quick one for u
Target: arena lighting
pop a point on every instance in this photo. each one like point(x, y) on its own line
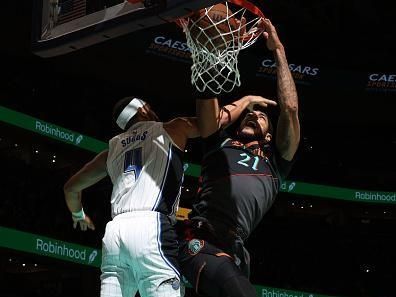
point(366, 268)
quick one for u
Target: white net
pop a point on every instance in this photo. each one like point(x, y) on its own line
point(215, 44)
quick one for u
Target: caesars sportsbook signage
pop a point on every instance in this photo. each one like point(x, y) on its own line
point(381, 81)
point(170, 48)
point(302, 74)
point(293, 187)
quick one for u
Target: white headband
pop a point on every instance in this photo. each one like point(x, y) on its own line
point(129, 111)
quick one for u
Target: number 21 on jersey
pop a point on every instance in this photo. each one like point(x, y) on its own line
point(246, 160)
point(133, 161)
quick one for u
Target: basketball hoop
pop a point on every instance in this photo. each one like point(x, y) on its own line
point(215, 36)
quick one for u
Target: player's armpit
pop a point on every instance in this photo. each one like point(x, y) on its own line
point(180, 129)
point(190, 125)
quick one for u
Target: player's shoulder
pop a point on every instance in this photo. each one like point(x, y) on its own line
point(180, 122)
point(182, 125)
point(145, 125)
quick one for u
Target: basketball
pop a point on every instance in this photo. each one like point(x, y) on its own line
point(212, 28)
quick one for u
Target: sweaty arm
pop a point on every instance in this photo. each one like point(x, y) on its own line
point(181, 129)
point(211, 117)
point(288, 129)
point(91, 173)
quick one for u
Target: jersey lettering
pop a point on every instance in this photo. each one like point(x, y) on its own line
point(246, 159)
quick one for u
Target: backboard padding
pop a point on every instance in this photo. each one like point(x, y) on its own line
point(52, 39)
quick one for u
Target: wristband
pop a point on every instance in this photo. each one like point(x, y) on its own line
point(79, 215)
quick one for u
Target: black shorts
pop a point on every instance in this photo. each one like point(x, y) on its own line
point(212, 272)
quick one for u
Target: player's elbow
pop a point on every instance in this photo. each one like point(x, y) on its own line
point(192, 128)
point(291, 107)
point(68, 187)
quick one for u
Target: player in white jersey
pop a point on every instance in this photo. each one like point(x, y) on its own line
point(144, 163)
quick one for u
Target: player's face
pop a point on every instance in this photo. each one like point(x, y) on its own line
point(255, 124)
point(149, 113)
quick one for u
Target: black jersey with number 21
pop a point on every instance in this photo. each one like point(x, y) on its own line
point(238, 187)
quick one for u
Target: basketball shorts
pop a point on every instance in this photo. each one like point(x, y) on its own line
point(139, 253)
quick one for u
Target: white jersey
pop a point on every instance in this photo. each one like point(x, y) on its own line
point(146, 170)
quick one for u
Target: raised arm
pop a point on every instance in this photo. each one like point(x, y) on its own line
point(182, 128)
point(211, 117)
point(91, 173)
point(288, 128)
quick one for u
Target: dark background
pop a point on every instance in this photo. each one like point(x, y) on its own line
point(304, 243)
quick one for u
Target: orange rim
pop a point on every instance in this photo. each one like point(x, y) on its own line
point(249, 6)
point(253, 9)
point(243, 3)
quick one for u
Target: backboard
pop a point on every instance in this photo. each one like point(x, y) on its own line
point(63, 26)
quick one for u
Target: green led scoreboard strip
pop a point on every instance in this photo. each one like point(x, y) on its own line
point(91, 144)
point(71, 252)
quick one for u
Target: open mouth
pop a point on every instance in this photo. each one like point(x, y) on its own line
point(251, 124)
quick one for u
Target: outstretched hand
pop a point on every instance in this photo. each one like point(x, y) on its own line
point(271, 35)
point(85, 224)
point(258, 100)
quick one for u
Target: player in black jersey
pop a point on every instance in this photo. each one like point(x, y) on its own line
point(241, 177)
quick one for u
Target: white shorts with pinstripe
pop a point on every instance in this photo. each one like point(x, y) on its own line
point(139, 253)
